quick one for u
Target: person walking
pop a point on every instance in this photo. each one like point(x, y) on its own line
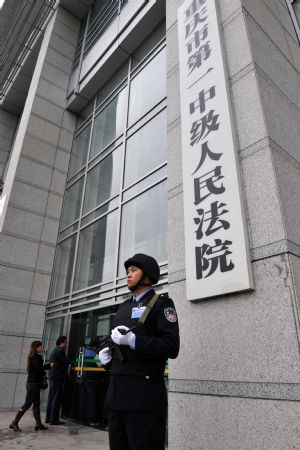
point(147, 333)
point(57, 376)
point(36, 373)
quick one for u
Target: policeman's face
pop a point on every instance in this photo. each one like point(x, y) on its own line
point(134, 274)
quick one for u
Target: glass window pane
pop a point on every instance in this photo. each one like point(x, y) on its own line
point(148, 87)
point(144, 226)
point(96, 252)
point(109, 123)
point(63, 266)
point(98, 212)
point(72, 204)
point(103, 181)
point(144, 183)
point(146, 149)
point(79, 151)
point(53, 329)
point(103, 325)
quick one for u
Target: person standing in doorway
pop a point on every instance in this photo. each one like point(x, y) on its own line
point(57, 377)
point(147, 333)
point(36, 373)
point(90, 380)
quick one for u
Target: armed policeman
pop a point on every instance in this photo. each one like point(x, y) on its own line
point(146, 330)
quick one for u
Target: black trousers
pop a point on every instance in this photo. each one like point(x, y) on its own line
point(32, 397)
point(137, 430)
point(55, 398)
point(88, 402)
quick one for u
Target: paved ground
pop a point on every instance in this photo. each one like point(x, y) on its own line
point(63, 437)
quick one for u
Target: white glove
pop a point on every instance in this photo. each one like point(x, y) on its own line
point(123, 339)
point(105, 355)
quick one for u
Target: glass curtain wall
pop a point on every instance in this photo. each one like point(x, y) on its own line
point(115, 201)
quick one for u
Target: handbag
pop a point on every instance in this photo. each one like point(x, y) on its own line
point(44, 383)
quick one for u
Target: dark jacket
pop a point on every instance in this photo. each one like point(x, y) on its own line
point(137, 383)
point(36, 369)
point(61, 363)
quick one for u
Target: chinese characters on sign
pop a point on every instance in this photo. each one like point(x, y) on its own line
point(217, 259)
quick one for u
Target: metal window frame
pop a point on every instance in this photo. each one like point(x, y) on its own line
point(109, 292)
point(92, 32)
point(294, 18)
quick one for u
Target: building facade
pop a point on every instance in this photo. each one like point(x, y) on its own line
point(91, 168)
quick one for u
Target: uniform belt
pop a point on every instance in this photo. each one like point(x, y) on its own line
point(136, 375)
point(154, 377)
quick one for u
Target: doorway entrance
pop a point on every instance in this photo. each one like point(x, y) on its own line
point(85, 389)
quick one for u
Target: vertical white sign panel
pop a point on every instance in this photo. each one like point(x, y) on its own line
point(217, 260)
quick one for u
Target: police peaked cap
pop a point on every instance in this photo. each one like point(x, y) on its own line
point(147, 264)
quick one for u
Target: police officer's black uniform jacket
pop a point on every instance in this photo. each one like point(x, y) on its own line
point(137, 383)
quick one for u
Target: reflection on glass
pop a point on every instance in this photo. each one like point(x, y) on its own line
point(148, 87)
point(96, 252)
point(103, 181)
point(79, 151)
point(53, 329)
point(146, 149)
point(72, 204)
point(109, 123)
point(100, 211)
point(144, 183)
point(63, 267)
point(103, 325)
point(144, 226)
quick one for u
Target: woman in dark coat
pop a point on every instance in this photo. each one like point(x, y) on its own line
point(36, 372)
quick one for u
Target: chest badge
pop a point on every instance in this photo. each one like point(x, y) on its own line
point(137, 313)
point(170, 314)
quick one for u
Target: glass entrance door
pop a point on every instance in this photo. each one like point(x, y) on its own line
point(87, 384)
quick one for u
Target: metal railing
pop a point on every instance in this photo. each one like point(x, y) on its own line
point(97, 26)
point(29, 21)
